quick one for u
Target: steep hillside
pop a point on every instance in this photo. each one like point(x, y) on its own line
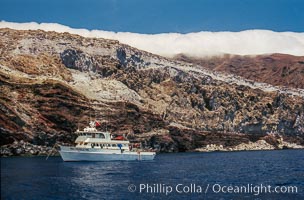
point(51, 83)
point(275, 69)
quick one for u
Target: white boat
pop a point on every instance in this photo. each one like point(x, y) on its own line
point(94, 145)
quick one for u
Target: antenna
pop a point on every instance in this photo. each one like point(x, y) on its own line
point(107, 121)
point(95, 114)
point(90, 111)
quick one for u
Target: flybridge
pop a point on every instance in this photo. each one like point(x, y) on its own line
point(92, 132)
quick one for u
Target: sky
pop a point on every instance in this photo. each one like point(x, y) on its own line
point(160, 16)
point(168, 27)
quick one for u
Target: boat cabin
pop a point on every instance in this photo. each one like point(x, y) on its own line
point(90, 137)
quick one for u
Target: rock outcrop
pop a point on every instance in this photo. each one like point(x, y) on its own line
point(251, 146)
point(276, 69)
point(52, 83)
point(21, 148)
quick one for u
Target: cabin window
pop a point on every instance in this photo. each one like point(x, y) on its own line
point(88, 134)
point(85, 143)
point(113, 145)
point(97, 144)
point(100, 135)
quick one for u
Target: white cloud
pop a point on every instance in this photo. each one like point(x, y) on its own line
point(249, 42)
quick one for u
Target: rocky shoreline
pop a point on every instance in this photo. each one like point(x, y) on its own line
point(22, 148)
point(251, 146)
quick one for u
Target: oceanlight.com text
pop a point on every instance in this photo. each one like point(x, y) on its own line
point(253, 189)
point(193, 188)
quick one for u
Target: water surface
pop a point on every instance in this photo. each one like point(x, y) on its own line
point(37, 178)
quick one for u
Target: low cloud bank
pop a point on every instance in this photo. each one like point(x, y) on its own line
point(200, 44)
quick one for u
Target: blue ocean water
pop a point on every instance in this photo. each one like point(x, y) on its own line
point(187, 175)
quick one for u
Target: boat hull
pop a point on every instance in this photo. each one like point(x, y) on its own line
point(86, 154)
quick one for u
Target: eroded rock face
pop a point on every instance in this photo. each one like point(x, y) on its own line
point(275, 69)
point(74, 59)
point(52, 83)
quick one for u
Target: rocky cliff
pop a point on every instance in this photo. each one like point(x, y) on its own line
point(51, 83)
point(275, 69)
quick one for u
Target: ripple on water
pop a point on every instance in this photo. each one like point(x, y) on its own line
point(35, 178)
